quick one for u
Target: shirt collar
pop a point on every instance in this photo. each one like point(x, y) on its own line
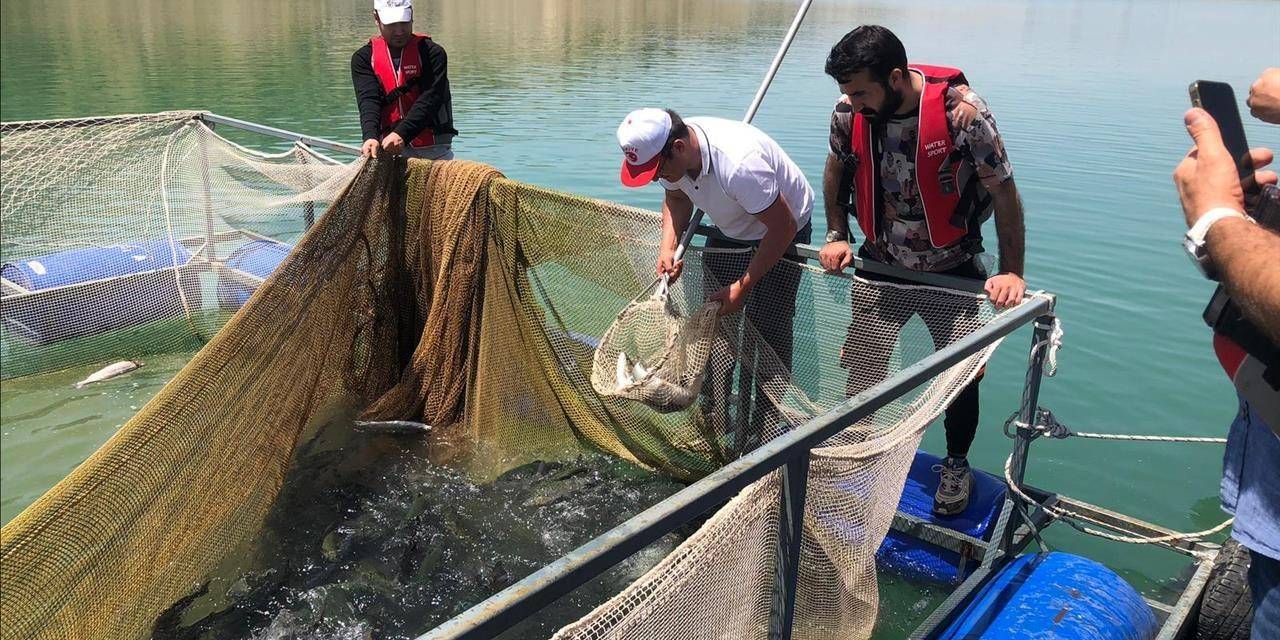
point(704, 148)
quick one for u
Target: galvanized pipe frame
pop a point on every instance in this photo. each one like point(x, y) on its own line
point(273, 132)
point(505, 609)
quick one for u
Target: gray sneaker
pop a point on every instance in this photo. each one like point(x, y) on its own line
point(955, 481)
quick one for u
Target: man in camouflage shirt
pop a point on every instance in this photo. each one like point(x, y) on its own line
point(925, 220)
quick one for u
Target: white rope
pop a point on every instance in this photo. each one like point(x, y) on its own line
point(168, 222)
point(1121, 436)
point(1048, 424)
point(1066, 514)
point(1052, 342)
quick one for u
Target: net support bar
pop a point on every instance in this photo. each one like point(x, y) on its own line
point(693, 225)
point(283, 134)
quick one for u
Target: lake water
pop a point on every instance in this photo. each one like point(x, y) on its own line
point(1088, 95)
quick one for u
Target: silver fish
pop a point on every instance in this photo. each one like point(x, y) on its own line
point(629, 372)
point(110, 371)
point(391, 426)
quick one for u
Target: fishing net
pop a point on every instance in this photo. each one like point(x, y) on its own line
point(131, 235)
point(447, 294)
point(653, 354)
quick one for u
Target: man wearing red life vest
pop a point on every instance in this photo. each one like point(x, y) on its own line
point(916, 160)
point(402, 88)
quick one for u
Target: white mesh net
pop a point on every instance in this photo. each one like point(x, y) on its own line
point(139, 234)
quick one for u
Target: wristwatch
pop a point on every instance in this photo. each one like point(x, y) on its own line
point(835, 235)
point(1193, 242)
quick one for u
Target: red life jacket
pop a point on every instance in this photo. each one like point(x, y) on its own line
point(410, 69)
point(939, 194)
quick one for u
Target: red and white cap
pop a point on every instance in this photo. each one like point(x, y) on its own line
point(393, 11)
point(642, 135)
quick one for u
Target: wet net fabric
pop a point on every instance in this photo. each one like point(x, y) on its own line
point(131, 235)
point(447, 294)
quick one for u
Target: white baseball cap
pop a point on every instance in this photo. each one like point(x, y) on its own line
point(393, 11)
point(642, 135)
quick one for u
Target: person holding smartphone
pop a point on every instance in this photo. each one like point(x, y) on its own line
point(1243, 255)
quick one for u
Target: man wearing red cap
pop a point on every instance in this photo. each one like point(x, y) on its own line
point(402, 88)
point(756, 196)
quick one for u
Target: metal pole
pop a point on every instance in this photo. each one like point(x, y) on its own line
point(274, 132)
point(687, 236)
point(795, 475)
point(795, 480)
point(777, 61)
point(309, 207)
point(1006, 524)
point(1027, 417)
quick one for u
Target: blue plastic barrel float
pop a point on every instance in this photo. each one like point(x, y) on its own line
point(909, 557)
point(1057, 596)
point(88, 291)
point(260, 259)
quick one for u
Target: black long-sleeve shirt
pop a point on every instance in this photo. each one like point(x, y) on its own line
point(434, 107)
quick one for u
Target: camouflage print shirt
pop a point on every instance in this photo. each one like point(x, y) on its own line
point(904, 238)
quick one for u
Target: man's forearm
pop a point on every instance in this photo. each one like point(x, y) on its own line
point(770, 250)
point(1011, 231)
point(675, 217)
point(837, 217)
point(1246, 255)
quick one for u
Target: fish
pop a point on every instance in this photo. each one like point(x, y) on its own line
point(629, 373)
point(109, 371)
point(391, 426)
point(624, 374)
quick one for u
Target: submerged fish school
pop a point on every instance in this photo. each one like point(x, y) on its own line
point(514, 410)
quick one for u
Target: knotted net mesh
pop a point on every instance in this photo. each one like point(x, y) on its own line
point(132, 235)
point(653, 354)
point(444, 293)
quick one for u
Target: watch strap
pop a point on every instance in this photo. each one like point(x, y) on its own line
point(1200, 229)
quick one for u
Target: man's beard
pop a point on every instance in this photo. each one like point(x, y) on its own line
point(892, 102)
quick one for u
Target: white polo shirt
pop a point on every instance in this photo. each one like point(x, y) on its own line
point(743, 172)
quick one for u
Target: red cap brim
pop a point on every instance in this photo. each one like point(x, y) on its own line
point(638, 175)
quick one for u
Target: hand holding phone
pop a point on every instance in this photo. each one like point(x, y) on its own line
point(1219, 101)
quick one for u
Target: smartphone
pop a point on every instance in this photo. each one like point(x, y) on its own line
point(1220, 101)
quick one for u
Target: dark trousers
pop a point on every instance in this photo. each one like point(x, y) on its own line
point(770, 310)
point(877, 319)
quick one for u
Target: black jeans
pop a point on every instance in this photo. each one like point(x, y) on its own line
point(770, 308)
point(868, 351)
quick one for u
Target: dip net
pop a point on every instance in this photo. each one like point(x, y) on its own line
point(446, 294)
